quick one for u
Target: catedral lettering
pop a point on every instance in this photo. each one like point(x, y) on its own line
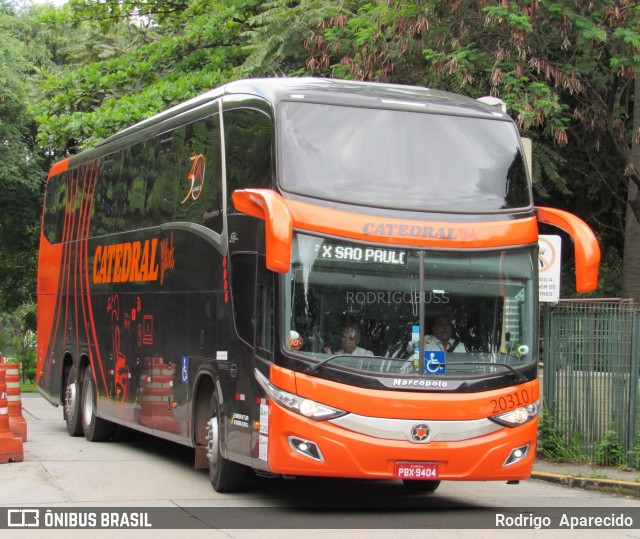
point(125, 262)
point(370, 313)
point(410, 231)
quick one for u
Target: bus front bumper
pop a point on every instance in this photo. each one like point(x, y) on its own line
point(300, 446)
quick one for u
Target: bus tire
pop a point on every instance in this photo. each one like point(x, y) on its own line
point(418, 485)
point(95, 428)
point(71, 410)
point(225, 475)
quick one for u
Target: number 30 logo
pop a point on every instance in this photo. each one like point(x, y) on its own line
point(196, 177)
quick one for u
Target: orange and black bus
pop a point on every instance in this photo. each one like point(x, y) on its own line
point(201, 274)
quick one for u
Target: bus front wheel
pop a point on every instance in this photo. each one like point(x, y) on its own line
point(225, 476)
point(71, 410)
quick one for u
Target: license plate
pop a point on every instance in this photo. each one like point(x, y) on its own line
point(417, 470)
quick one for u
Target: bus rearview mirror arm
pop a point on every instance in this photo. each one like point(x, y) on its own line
point(586, 248)
point(269, 206)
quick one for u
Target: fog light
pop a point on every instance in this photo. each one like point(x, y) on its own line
point(306, 448)
point(517, 455)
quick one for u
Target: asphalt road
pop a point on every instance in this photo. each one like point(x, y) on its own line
point(146, 475)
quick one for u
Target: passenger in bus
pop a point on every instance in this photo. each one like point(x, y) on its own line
point(350, 340)
point(443, 337)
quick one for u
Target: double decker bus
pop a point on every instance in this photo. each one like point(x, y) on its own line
point(201, 272)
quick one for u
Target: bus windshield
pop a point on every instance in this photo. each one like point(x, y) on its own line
point(357, 306)
point(407, 160)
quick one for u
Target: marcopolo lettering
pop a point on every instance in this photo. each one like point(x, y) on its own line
point(126, 262)
point(406, 382)
point(410, 231)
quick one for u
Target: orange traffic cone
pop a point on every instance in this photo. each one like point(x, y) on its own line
point(17, 423)
point(10, 446)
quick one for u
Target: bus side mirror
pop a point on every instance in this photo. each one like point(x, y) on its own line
point(587, 250)
point(269, 206)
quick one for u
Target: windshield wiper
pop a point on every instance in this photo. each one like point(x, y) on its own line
point(517, 375)
point(313, 368)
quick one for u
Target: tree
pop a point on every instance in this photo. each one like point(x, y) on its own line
point(22, 164)
point(565, 70)
point(147, 57)
point(18, 335)
point(630, 281)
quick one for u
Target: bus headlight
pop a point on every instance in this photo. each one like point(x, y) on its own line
point(517, 417)
point(300, 405)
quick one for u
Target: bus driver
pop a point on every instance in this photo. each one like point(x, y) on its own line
point(443, 336)
point(350, 342)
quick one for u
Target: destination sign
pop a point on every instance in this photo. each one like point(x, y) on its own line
point(362, 254)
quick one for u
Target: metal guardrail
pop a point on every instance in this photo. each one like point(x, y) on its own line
point(590, 351)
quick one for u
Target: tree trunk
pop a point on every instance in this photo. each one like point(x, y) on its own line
point(631, 264)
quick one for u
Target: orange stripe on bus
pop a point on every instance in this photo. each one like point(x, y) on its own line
point(267, 204)
point(58, 168)
point(415, 233)
point(404, 404)
point(49, 259)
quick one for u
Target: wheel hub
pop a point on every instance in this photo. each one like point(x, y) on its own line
point(212, 440)
point(87, 405)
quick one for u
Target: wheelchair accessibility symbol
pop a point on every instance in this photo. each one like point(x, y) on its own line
point(185, 369)
point(434, 362)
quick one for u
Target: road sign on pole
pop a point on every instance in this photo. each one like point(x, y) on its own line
point(549, 260)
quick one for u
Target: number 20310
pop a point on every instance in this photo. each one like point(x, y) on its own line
point(510, 401)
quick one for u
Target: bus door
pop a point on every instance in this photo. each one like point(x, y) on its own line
point(264, 347)
point(236, 376)
point(252, 288)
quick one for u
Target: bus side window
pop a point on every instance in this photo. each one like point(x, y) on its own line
point(75, 178)
point(130, 191)
point(247, 135)
point(243, 290)
point(164, 168)
point(199, 197)
point(265, 313)
point(54, 208)
point(104, 212)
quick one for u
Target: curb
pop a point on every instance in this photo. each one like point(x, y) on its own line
point(627, 488)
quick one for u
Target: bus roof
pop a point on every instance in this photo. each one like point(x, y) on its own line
point(332, 91)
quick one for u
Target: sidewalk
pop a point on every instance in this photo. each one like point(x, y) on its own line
point(590, 477)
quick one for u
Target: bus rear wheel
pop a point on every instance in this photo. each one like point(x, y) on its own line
point(71, 410)
point(225, 476)
point(95, 428)
point(417, 485)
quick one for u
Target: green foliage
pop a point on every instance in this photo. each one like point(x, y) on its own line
point(18, 337)
point(554, 444)
point(28, 386)
point(565, 70)
point(511, 14)
point(609, 451)
point(275, 35)
point(22, 164)
point(636, 452)
point(547, 163)
point(136, 69)
point(6, 347)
